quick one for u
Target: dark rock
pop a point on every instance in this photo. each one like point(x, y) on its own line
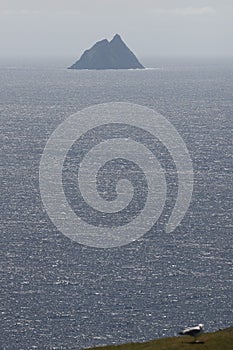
point(108, 55)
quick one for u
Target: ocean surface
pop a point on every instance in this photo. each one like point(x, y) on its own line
point(59, 294)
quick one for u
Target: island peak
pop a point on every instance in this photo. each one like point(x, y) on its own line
point(106, 54)
point(117, 37)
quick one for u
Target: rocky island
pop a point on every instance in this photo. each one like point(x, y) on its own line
point(106, 54)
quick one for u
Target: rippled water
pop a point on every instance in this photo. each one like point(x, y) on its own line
point(57, 294)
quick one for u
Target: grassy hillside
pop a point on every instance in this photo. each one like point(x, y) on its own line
point(220, 340)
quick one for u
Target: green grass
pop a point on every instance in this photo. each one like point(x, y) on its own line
point(220, 340)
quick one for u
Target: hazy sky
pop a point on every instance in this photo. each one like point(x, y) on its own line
point(149, 27)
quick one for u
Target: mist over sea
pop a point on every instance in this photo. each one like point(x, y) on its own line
point(58, 294)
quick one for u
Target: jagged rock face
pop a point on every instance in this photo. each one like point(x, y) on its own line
point(108, 55)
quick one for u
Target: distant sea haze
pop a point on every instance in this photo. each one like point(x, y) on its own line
point(59, 294)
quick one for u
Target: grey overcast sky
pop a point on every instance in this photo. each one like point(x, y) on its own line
point(149, 27)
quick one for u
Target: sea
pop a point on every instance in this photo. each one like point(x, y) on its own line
point(57, 293)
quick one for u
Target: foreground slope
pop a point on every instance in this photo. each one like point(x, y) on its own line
point(220, 340)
